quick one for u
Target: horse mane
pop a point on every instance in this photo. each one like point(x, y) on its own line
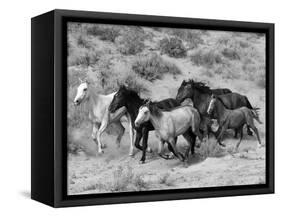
point(218, 97)
point(92, 90)
point(174, 108)
point(132, 94)
point(200, 86)
point(154, 109)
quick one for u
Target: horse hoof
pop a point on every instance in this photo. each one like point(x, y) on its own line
point(170, 156)
point(259, 146)
point(141, 161)
point(101, 152)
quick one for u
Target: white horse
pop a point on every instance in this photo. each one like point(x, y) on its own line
point(100, 116)
point(170, 124)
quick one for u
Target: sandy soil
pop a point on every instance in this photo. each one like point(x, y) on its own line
point(115, 171)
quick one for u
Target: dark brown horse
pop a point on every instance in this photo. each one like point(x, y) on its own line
point(200, 94)
point(131, 100)
point(221, 91)
point(233, 119)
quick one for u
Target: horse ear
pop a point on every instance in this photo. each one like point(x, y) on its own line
point(122, 86)
point(126, 85)
point(87, 81)
point(148, 102)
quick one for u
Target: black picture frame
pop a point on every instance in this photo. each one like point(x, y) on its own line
point(48, 147)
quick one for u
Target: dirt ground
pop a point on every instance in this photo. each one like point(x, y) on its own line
point(115, 171)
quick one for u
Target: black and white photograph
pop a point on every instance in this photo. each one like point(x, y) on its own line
point(156, 108)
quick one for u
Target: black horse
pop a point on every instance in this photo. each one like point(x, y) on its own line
point(201, 94)
point(131, 100)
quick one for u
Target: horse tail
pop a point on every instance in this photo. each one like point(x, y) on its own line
point(248, 104)
point(196, 125)
point(255, 113)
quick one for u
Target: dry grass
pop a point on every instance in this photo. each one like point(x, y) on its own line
point(154, 67)
point(104, 32)
point(165, 179)
point(206, 58)
point(131, 41)
point(173, 47)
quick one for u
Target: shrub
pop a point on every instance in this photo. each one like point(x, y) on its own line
point(207, 73)
point(133, 81)
point(82, 56)
point(131, 42)
point(206, 58)
point(83, 42)
point(104, 73)
point(165, 179)
point(73, 27)
point(192, 37)
point(154, 67)
point(110, 76)
point(139, 183)
point(104, 32)
point(261, 82)
point(230, 53)
point(122, 178)
point(211, 149)
point(173, 47)
point(74, 74)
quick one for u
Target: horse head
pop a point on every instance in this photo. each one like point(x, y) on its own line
point(119, 99)
point(143, 114)
point(185, 91)
point(82, 92)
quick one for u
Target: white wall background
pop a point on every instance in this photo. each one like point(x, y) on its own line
point(15, 106)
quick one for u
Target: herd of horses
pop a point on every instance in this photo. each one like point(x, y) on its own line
point(169, 118)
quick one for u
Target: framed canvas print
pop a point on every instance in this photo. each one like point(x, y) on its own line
point(134, 108)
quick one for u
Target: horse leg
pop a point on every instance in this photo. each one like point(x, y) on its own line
point(235, 133)
point(257, 134)
point(160, 149)
point(102, 128)
point(132, 135)
point(241, 137)
point(250, 123)
point(171, 154)
point(219, 138)
point(145, 133)
point(138, 138)
point(190, 137)
point(120, 130)
point(95, 129)
point(250, 133)
point(172, 148)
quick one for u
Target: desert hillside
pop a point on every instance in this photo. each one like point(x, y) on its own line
point(154, 61)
